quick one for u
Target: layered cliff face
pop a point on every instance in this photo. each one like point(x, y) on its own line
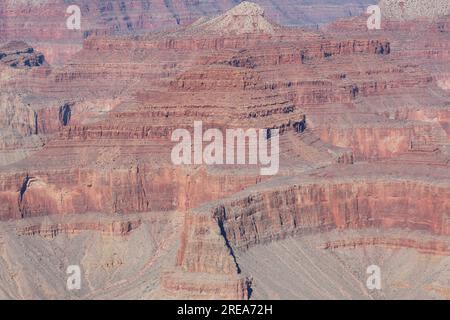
point(43, 23)
point(364, 158)
point(19, 63)
point(260, 217)
point(409, 10)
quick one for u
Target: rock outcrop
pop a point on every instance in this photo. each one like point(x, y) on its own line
point(43, 23)
point(413, 9)
point(364, 156)
point(20, 55)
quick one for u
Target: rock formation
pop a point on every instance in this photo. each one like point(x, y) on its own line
point(43, 23)
point(364, 148)
point(413, 9)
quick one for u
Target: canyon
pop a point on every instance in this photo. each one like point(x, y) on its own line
point(22, 20)
point(86, 175)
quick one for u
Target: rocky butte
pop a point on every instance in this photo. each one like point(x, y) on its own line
point(86, 176)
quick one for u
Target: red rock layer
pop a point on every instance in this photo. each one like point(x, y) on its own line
point(116, 228)
point(430, 247)
point(112, 191)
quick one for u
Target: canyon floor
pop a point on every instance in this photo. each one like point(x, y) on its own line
point(87, 178)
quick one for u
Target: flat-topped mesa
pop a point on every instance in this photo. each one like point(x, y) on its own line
point(247, 17)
